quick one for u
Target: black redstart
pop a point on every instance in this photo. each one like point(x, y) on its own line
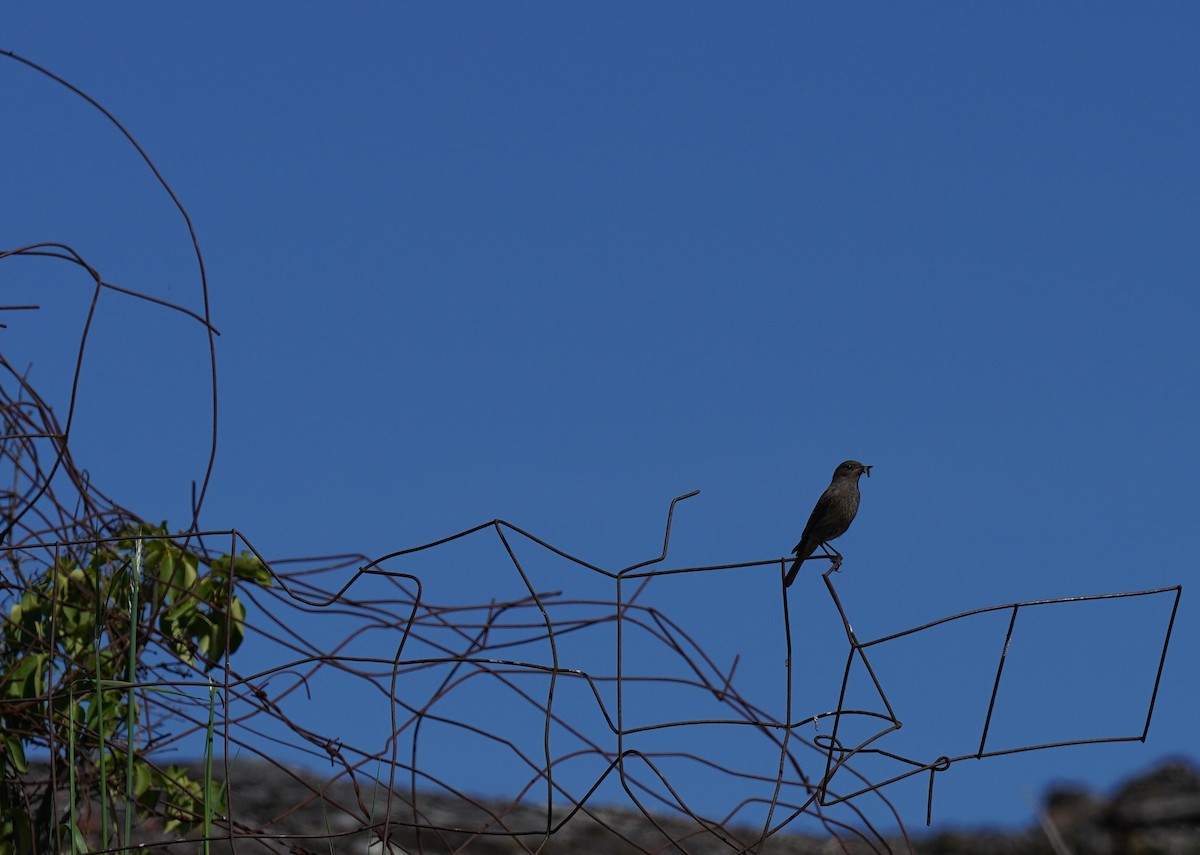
point(831, 517)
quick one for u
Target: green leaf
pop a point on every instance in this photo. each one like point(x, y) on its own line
point(16, 752)
point(249, 567)
point(17, 826)
point(169, 578)
point(25, 680)
point(141, 779)
point(191, 566)
point(72, 832)
point(149, 800)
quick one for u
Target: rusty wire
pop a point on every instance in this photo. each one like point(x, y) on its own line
point(320, 611)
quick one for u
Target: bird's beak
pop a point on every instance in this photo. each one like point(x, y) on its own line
point(867, 470)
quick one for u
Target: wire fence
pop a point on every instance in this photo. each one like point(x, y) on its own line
point(125, 643)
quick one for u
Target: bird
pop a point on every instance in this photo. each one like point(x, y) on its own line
point(831, 516)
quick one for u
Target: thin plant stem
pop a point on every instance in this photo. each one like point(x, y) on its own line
point(99, 717)
point(135, 581)
point(71, 793)
point(208, 766)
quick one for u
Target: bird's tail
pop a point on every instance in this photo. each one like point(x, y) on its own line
point(792, 571)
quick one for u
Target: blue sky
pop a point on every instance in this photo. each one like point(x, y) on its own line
point(559, 263)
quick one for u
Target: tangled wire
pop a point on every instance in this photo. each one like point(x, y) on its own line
point(146, 642)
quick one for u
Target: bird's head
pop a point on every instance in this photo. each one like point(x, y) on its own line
point(852, 468)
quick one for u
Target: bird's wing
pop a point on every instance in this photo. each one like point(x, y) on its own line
point(819, 512)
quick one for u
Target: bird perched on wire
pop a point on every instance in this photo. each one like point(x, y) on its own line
point(831, 517)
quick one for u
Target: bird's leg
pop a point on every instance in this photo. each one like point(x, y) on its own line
point(835, 557)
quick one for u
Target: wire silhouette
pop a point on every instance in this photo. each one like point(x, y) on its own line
point(423, 672)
